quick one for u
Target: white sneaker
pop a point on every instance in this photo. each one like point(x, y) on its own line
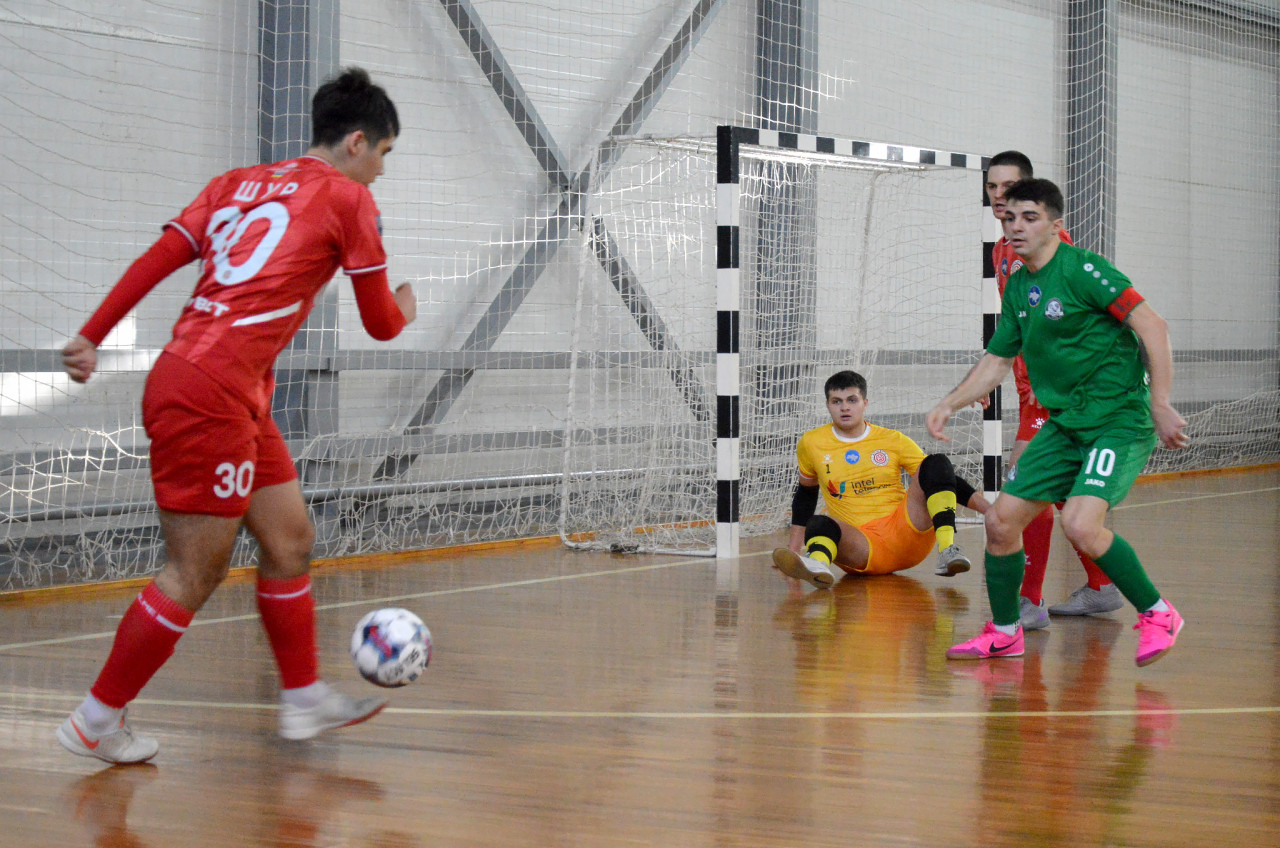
point(336, 710)
point(803, 568)
point(1087, 601)
point(118, 746)
point(1033, 616)
point(952, 561)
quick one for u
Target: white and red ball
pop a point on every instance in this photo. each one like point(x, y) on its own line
point(391, 647)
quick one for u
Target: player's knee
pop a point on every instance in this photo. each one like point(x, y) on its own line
point(1081, 529)
point(288, 549)
point(936, 474)
point(1001, 532)
point(302, 539)
point(822, 526)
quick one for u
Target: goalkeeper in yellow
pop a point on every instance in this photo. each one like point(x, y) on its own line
point(874, 524)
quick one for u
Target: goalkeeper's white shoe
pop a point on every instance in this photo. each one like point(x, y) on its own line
point(804, 568)
point(952, 561)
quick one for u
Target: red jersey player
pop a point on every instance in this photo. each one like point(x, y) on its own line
point(268, 239)
point(1099, 594)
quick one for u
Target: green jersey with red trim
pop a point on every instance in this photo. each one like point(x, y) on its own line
point(1067, 322)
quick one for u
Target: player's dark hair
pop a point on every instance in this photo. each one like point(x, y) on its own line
point(1016, 159)
point(350, 102)
point(842, 380)
point(1043, 192)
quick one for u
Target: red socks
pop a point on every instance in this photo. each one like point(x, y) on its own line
point(1094, 574)
point(144, 640)
point(1035, 541)
point(1096, 578)
point(289, 616)
point(152, 625)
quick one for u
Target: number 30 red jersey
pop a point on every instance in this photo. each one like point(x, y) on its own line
point(269, 238)
point(1006, 262)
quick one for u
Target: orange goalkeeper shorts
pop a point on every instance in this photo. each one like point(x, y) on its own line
point(895, 542)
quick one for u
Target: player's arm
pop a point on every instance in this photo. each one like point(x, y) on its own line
point(968, 496)
point(383, 313)
point(170, 252)
point(1153, 333)
point(979, 382)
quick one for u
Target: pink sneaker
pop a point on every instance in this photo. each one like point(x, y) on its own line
point(989, 643)
point(1157, 631)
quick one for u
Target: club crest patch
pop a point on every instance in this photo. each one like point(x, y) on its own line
point(880, 458)
point(1053, 309)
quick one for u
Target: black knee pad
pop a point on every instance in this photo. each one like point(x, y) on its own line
point(936, 474)
point(822, 525)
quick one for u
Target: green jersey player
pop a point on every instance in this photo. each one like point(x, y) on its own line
point(1084, 332)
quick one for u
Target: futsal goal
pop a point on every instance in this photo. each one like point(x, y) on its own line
point(742, 272)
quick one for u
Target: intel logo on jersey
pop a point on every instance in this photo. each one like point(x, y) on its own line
point(1033, 296)
point(852, 457)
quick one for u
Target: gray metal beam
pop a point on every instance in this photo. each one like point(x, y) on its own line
point(1230, 13)
point(505, 84)
point(782, 263)
point(554, 231)
point(645, 315)
point(642, 102)
point(1090, 189)
point(786, 65)
point(298, 48)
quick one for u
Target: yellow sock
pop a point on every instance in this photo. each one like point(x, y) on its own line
point(942, 507)
point(821, 548)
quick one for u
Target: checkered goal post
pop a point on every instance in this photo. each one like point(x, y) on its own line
point(721, 283)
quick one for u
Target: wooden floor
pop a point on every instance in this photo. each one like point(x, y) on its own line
point(598, 700)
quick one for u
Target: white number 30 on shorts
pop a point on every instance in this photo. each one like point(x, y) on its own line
point(234, 481)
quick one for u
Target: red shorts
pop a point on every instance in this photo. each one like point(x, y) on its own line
point(1031, 417)
point(209, 452)
point(895, 542)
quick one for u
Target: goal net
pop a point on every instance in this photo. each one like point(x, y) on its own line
point(845, 262)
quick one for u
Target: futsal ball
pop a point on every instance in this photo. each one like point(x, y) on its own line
point(391, 647)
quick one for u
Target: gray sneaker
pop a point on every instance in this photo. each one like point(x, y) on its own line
point(119, 746)
point(336, 710)
point(1087, 601)
point(803, 568)
point(952, 561)
point(1034, 616)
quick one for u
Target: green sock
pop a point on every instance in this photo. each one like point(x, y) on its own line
point(1121, 564)
point(1004, 580)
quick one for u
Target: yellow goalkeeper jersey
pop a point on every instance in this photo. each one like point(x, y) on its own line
point(861, 479)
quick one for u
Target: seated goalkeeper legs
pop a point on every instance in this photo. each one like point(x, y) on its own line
point(825, 548)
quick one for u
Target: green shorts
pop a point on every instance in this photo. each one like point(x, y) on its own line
point(1062, 463)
